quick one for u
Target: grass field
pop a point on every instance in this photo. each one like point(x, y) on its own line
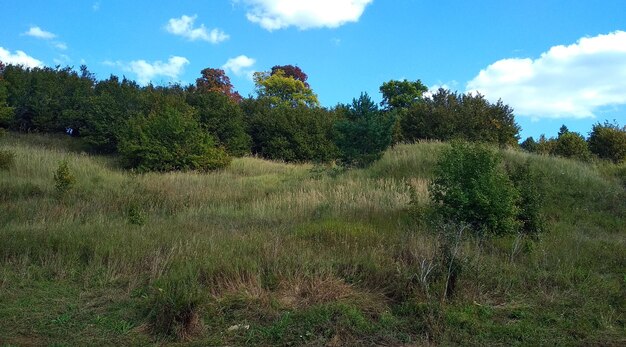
point(267, 253)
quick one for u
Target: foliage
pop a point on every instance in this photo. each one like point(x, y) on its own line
point(224, 119)
point(292, 71)
point(531, 199)
point(571, 145)
point(170, 139)
point(216, 81)
point(363, 133)
point(401, 94)
point(64, 179)
point(530, 145)
point(175, 307)
point(113, 103)
point(446, 116)
point(6, 112)
point(281, 89)
point(608, 141)
point(472, 187)
point(292, 134)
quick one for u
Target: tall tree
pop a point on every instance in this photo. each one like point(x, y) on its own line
point(279, 88)
point(292, 71)
point(608, 141)
point(364, 133)
point(401, 94)
point(215, 80)
point(6, 112)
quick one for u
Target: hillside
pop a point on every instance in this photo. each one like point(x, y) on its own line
point(266, 253)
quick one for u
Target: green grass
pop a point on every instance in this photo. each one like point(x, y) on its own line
point(295, 253)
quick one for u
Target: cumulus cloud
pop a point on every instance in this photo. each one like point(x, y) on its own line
point(240, 66)
point(304, 14)
point(19, 58)
point(184, 27)
point(147, 72)
point(566, 81)
point(40, 33)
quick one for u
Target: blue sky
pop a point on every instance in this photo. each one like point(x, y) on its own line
point(555, 62)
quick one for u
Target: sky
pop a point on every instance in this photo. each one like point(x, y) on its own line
point(553, 61)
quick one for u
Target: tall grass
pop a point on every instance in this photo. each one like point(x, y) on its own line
point(328, 258)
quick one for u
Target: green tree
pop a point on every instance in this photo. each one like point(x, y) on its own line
point(401, 94)
point(471, 187)
point(363, 133)
point(571, 145)
point(446, 115)
point(169, 139)
point(293, 134)
point(608, 141)
point(279, 88)
point(6, 112)
point(222, 117)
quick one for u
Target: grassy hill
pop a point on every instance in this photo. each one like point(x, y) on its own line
point(266, 253)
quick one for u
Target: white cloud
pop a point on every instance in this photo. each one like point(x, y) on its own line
point(304, 14)
point(183, 26)
point(146, 72)
point(566, 81)
point(240, 66)
point(39, 33)
point(60, 45)
point(19, 58)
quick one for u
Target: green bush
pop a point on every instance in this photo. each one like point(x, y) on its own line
point(7, 159)
point(64, 180)
point(608, 141)
point(170, 139)
point(526, 181)
point(471, 187)
point(572, 145)
point(292, 134)
point(175, 307)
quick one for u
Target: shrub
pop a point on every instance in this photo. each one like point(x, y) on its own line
point(174, 308)
point(169, 140)
point(64, 180)
point(531, 200)
point(471, 187)
point(7, 159)
point(608, 141)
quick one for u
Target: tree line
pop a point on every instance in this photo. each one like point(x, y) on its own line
point(203, 125)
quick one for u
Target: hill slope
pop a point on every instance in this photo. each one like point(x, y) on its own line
point(274, 254)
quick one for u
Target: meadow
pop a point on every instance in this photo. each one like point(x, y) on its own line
point(268, 253)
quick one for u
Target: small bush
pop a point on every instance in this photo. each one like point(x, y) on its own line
point(471, 187)
point(531, 200)
point(175, 307)
point(7, 159)
point(64, 180)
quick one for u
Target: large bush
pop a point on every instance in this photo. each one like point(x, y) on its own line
point(167, 140)
point(472, 187)
point(608, 141)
